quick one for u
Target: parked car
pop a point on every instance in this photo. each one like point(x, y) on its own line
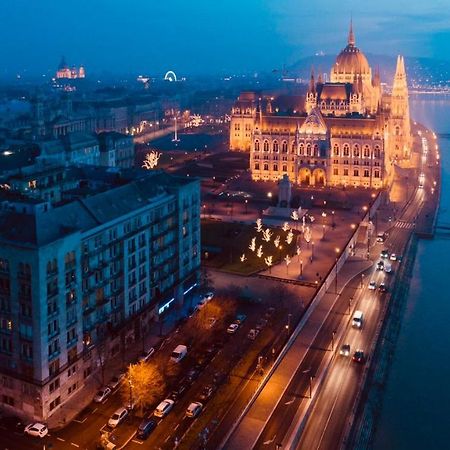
point(393, 257)
point(180, 390)
point(384, 254)
point(145, 428)
point(102, 394)
point(252, 334)
point(206, 392)
point(380, 265)
point(261, 324)
point(115, 381)
point(359, 356)
point(193, 374)
point(146, 355)
point(345, 350)
point(194, 409)
point(372, 285)
point(232, 328)
point(36, 429)
point(117, 417)
point(208, 296)
point(382, 287)
point(164, 408)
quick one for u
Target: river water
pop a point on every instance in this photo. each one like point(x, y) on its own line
point(416, 403)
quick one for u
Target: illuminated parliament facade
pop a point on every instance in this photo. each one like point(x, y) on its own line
point(343, 132)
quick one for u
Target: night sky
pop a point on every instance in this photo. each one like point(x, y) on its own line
point(208, 36)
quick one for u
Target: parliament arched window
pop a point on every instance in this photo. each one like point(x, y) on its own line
point(308, 149)
point(377, 152)
point(301, 149)
point(257, 166)
point(366, 151)
point(266, 146)
point(275, 167)
point(266, 166)
point(356, 151)
point(284, 147)
point(336, 150)
point(377, 174)
point(256, 146)
point(346, 150)
point(275, 146)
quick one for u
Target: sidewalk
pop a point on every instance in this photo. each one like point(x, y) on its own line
point(254, 419)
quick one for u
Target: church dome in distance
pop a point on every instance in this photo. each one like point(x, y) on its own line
point(351, 60)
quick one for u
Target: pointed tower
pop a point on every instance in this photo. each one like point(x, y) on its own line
point(400, 127)
point(351, 35)
point(311, 95)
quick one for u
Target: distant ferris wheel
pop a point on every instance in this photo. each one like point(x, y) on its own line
point(170, 76)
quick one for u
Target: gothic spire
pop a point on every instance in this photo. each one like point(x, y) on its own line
point(351, 36)
point(312, 84)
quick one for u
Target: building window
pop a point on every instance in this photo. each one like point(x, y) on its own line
point(257, 166)
point(284, 168)
point(53, 385)
point(275, 167)
point(356, 151)
point(284, 147)
point(336, 150)
point(257, 146)
point(377, 152)
point(366, 151)
point(308, 149)
point(346, 150)
point(7, 400)
point(266, 146)
point(275, 146)
point(266, 166)
point(356, 173)
point(345, 172)
point(335, 171)
point(4, 265)
point(55, 403)
point(377, 174)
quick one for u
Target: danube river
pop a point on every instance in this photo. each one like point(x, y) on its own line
point(415, 413)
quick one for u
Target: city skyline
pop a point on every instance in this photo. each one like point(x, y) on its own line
point(145, 37)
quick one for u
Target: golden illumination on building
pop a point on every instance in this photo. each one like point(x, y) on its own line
point(71, 73)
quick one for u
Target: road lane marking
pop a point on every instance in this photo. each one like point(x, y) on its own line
point(101, 429)
point(290, 402)
point(167, 438)
point(137, 442)
point(93, 411)
point(75, 445)
point(176, 428)
point(270, 441)
point(61, 439)
point(80, 421)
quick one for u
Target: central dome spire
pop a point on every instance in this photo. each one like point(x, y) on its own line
point(351, 36)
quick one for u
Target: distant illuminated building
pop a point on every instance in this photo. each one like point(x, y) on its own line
point(64, 71)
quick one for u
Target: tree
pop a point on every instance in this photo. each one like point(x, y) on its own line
point(144, 385)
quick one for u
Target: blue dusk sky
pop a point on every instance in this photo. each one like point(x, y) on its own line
point(207, 36)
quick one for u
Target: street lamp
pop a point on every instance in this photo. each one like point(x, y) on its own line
point(336, 265)
point(332, 222)
point(288, 325)
point(312, 251)
point(131, 387)
point(301, 268)
point(362, 280)
point(310, 385)
point(332, 340)
point(350, 305)
point(246, 206)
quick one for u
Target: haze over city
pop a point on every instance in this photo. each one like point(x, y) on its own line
point(204, 37)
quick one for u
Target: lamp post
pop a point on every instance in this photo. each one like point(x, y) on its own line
point(301, 268)
point(336, 266)
point(288, 325)
point(332, 340)
point(350, 305)
point(131, 388)
point(310, 385)
point(332, 222)
point(246, 206)
point(312, 251)
point(362, 280)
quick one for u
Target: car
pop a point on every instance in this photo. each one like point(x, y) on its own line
point(208, 296)
point(180, 390)
point(211, 322)
point(164, 408)
point(201, 304)
point(252, 334)
point(359, 356)
point(232, 328)
point(240, 319)
point(382, 287)
point(193, 374)
point(384, 254)
point(345, 350)
point(380, 265)
point(36, 429)
point(261, 324)
point(206, 392)
point(372, 285)
point(117, 417)
point(102, 394)
point(393, 257)
point(194, 409)
point(115, 381)
point(145, 428)
point(146, 355)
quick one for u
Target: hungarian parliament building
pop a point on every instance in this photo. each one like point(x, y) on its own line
point(345, 132)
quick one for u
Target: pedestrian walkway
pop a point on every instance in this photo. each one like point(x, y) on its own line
point(254, 419)
point(405, 225)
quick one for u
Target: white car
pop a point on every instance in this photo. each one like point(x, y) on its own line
point(164, 408)
point(194, 409)
point(36, 429)
point(118, 416)
point(102, 394)
point(372, 285)
point(146, 355)
point(345, 350)
point(208, 296)
point(115, 381)
point(232, 328)
point(393, 257)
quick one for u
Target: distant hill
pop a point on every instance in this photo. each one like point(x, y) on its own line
point(421, 71)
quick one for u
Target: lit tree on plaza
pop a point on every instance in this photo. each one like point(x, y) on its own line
point(307, 235)
point(259, 252)
point(243, 258)
point(289, 237)
point(151, 160)
point(287, 260)
point(267, 234)
point(298, 251)
point(252, 245)
point(285, 226)
point(269, 262)
point(259, 225)
point(276, 241)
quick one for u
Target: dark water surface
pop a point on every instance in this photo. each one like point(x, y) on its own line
point(416, 404)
